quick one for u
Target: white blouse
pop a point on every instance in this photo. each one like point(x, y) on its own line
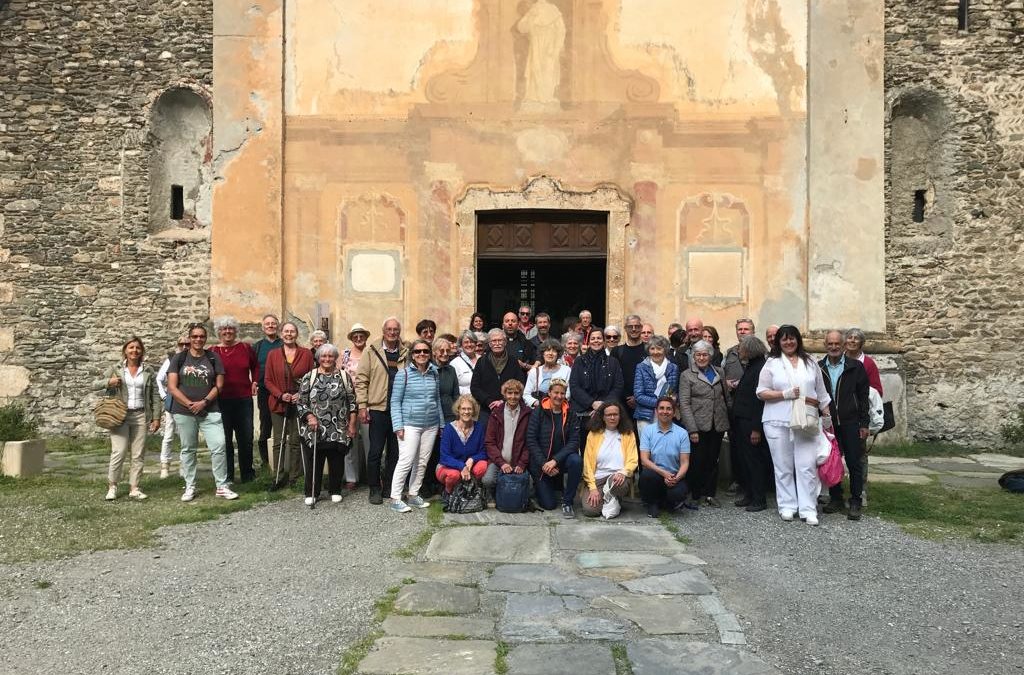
point(609, 456)
point(539, 380)
point(774, 377)
point(463, 371)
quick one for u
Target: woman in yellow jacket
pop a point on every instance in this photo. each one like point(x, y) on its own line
point(610, 455)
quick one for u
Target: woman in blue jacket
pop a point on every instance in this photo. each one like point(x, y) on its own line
point(463, 455)
point(416, 418)
point(656, 376)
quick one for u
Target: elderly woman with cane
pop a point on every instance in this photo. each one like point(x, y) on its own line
point(285, 367)
point(327, 413)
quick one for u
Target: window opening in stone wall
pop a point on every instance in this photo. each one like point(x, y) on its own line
point(919, 202)
point(177, 202)
point(961, 14)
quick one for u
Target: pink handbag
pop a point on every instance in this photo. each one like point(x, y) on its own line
point(831, 472)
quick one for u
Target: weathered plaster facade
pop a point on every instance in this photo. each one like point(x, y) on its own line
point(754, 157)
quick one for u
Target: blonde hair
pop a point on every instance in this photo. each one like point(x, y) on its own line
point(472, 401)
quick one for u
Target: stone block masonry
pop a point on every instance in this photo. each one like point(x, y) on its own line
point(955, 221)
point(80, 270)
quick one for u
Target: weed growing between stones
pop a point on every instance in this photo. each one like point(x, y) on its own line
point(501, 658)
point(435, 521)
point(622, 665)
point(670, 524)
point(1013, 433)
point(357, 652)
point(16, 424)
point(41, 583)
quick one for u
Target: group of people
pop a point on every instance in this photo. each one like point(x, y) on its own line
point(605, 407)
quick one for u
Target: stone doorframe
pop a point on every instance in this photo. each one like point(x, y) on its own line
point(544, 193)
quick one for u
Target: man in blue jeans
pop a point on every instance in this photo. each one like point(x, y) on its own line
point(553, 440)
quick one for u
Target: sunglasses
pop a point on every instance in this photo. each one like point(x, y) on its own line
point(611, 337)
point(524, 314)
point(421, 351)
point(196, 337)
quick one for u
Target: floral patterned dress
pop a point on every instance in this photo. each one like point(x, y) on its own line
point(332, 398)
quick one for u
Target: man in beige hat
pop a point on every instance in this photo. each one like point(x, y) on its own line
point(375, 377)
point(355, 458)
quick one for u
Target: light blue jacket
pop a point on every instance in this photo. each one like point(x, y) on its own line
point(416, 399)
point(645, 384)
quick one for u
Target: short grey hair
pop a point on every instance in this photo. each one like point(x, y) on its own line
point(856, 333)
point(468, 335)
point(224, 322)
point(496, 332)
point(389, 319)
point(702, 346)
point(752, 347)
point(658, 341)
point(632, 316)
point(481, 337)
point(317, 334)
point(746, 320)
point(327, 348)
point(614, 328)
point(571, 335)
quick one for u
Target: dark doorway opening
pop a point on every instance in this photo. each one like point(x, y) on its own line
point(562, 288)
point(551, 260)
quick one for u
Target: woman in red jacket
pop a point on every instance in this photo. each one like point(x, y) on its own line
point(505, 440)
point(285, 367)
point(241, 369)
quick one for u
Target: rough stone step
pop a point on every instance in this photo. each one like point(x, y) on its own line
point(433, 596)
point(608, 537)
point(561, 659)
point(439, 626)
point(429, 656)
point(657, 614)
point(689, 582)
point(492, 543)
point(658, 656)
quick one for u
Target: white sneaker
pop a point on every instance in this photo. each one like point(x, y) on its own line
point(787, 515)
point(111, 493)
point(165, 470)
point(309, 501)
point(811, 520)
point(336, 499)
point(189, 495)
point(137, 494)
point(226, 493)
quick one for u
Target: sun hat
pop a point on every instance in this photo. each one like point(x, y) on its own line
point(358, 328)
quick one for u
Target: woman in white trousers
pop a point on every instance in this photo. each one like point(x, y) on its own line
point(791, 377)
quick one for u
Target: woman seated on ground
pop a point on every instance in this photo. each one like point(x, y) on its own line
point(554, 444)
point(656, 376)
point(462, 446)
point(665, 456)
point(133, 382)
point(505, 439)
point(549, 368)
point(610, 456)
point(327, 410)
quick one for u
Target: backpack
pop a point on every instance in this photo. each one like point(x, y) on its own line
point(512, 493)
point(1012, 481)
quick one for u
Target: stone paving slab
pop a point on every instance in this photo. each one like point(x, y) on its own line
point(496, 517)
point(592, 559)
point(492, 543)
point(690, 582)
point(433, 596)
point(558, 659)
point(428, 656)
point(874, 460)
point(656, 614)
point(661, 656)
point(971, 482)
point(989, 475)
point(957, 467)
point(454, 572)
point(948, 460)
point(607, 537)
point(438, 626)
point(906, 469)
point(875, 477)
point(541, 617)
point(999, 461)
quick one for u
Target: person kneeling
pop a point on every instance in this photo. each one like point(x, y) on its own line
point(462, 446)
point(554, 443)
point(665, 456)
point(610, 456)
point(505, 439)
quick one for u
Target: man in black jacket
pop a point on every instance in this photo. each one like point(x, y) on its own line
point(847, 382)
point(554, 444)
point(517, 344)
point(492, 370)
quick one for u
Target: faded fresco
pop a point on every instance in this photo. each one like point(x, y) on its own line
point(695, 114)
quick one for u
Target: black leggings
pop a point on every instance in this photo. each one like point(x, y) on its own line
point(334, 453)
point(703, 473)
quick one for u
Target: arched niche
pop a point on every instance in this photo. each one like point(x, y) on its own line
point(180, 168)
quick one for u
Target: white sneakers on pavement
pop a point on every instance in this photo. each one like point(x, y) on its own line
point(787, 515)
point(336, 499)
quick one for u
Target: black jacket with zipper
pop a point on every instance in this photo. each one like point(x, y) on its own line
point(850, 396)
point(540, 435)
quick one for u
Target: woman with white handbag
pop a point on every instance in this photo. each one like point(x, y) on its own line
point(794, 392)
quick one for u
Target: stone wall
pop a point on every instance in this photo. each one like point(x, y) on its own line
point(79, 268)
point(955, 146)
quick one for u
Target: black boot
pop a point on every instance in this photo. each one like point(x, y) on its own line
point(854, 513)
point(834, 506)
point(375, 497)
point(744, 501)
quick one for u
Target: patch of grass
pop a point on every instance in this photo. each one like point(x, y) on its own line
point(54, 516)
point(89, 444)
point(385, 604)
point(356, 653)
point(673, 527)
point(456, 636)
point(921, 449)
point(938, 512)
point(16, 424)
point(435, 514)
point(435, 521)
point(622, 664)
point(501, 658)
point(433, 612)
point(42, 584)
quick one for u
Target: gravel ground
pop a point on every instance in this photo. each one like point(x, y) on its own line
point(278, 589)
point(863, 597)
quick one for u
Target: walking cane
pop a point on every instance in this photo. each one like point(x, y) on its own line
point(313, 481)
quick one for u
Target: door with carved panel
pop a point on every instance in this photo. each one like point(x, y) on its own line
point(553, 261)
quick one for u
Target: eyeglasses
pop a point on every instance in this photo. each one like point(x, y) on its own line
point(421, 351)
point(631, 326)
point(524, 314)
point(196, 337)
point(611, 337)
